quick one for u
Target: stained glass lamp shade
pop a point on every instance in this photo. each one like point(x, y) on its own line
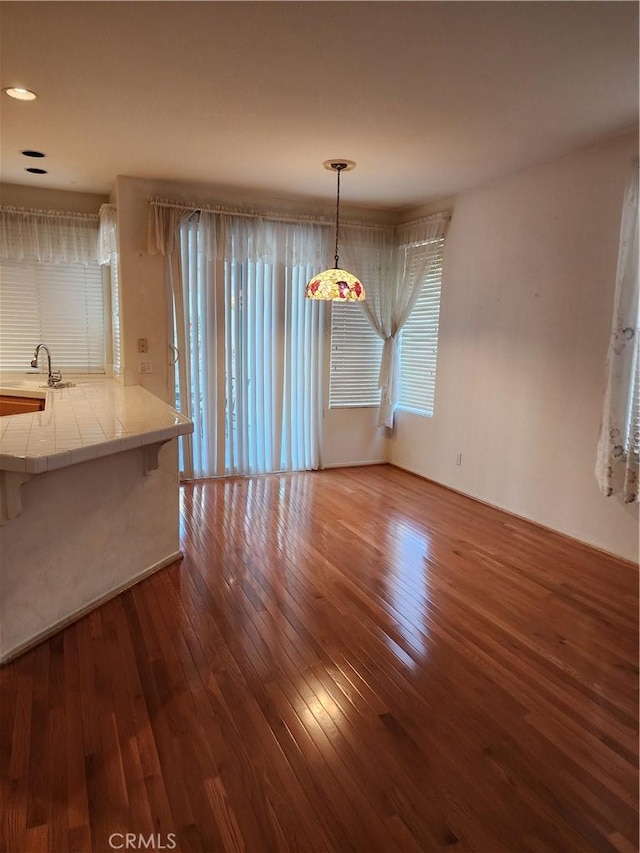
point(336, 284)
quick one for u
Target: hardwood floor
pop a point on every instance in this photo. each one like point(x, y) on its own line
point(352, 660)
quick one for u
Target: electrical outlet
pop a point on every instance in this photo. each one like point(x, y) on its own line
point(143, 345)
point(459, 459)
point(144, 367)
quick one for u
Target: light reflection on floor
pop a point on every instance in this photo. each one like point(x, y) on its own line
point(407, 585)
point(241, 506)
point(319, 707)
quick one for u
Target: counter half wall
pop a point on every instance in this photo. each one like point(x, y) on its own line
point(88, 530)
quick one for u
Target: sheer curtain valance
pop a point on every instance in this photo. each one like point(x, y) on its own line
point(48, 236)
point(234, 236)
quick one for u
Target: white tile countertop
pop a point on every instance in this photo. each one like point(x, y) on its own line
point(97, 417)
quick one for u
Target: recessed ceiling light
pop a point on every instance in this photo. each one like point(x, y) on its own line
point(35, 171)
point(30, 153)
point(20, 94)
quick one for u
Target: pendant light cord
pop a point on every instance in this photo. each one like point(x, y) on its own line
point(339, 167)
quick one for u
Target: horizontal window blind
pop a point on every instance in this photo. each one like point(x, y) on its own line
point(61, 305)
point(419, 341)
point(356, 350)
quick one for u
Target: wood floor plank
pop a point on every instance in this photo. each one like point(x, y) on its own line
point(16, 699)
point(244, 724)
point(77, 797)
point(351, 660)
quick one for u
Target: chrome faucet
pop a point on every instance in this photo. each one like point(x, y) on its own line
point(54, 375)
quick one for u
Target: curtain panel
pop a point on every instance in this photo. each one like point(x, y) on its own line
point(619, 442)
point(108, 256)
point(107, 234)
point(163, 237)
point(394, 266)
point(48, 236)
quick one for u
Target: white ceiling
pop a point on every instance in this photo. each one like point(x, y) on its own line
point(430, 98)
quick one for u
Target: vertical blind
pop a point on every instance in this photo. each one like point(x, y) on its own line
point(356, 350)
point(272, 368)
point(252, 345)
point(60, 304)
point(419, 342)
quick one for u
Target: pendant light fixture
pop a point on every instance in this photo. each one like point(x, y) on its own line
point(336, 284)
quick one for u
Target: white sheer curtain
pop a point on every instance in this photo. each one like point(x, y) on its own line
point(393, 267)
point(163, 236)
point(50, 237)
point(108, 256)
point(250, 345)
point(107, 233)
point(619, 443)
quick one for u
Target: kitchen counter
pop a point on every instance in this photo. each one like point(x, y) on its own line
point(89, 501)
point(97, 417)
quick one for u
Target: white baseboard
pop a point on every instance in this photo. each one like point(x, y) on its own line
point(560, 531)
point(86, 608)
point(356, 464)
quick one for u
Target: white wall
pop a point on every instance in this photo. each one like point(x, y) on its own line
point(527, 300)
point(351, 437)
point(143, 307)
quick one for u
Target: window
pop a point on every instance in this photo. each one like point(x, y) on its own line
point(61, 305)
point(356, 350)
point(419, 341)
